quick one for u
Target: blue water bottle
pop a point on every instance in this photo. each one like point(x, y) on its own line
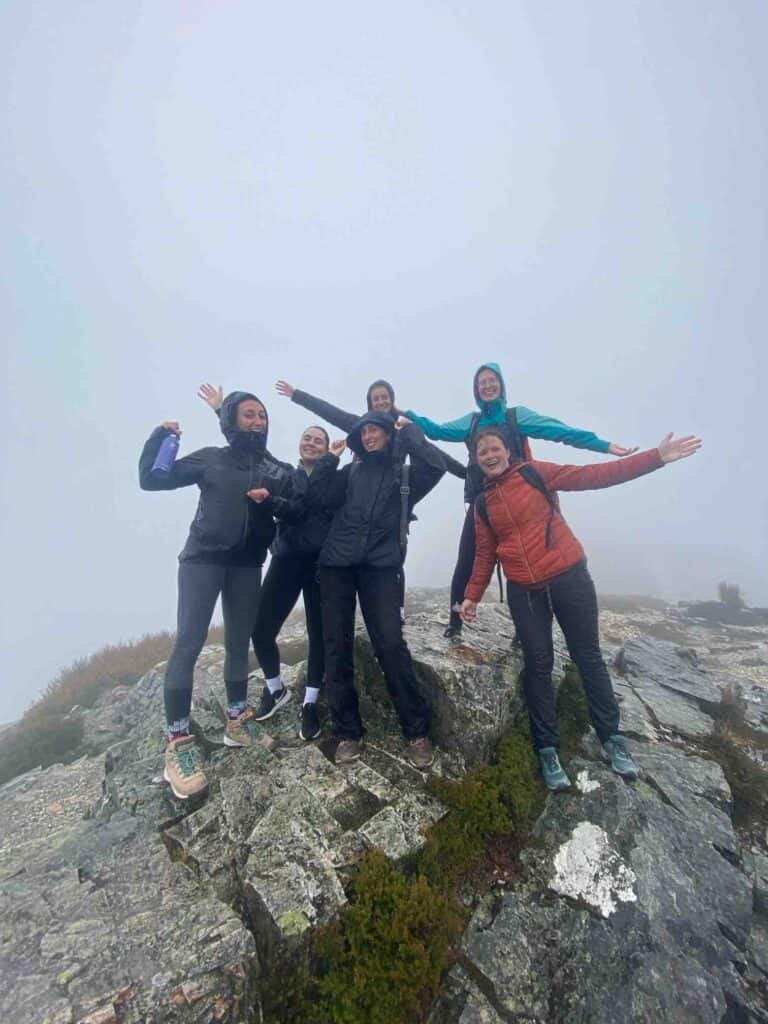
point(166, 455)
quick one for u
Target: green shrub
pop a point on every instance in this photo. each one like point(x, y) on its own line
point(390, 954)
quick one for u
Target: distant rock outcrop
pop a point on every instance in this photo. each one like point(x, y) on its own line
point(121, 905)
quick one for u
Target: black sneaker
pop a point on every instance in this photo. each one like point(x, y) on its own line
point(452, 632)
point(309, 722)
point(270, 703)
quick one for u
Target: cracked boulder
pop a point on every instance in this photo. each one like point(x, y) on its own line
point(635, 907)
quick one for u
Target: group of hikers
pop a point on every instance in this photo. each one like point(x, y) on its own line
point(339, 534)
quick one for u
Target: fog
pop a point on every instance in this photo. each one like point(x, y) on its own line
point(332, 193)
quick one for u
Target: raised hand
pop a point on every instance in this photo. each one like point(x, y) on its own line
point(285, 389)
point(337, 447)
point(468, 611)
point(211, 396)
point(617, 449)
point(258, 494)
point(402, 421)
point(671, 448)
point(173, 426)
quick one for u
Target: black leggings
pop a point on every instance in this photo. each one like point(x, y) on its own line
point(464, 562)
point(571, 598)
point(286, 578)
point(199, 589)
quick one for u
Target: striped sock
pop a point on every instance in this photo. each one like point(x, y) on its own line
point(178, 728)
point(236, 708)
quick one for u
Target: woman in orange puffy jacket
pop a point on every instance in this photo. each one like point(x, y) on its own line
point(518, 522)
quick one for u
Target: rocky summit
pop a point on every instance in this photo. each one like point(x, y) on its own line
point(635, 902)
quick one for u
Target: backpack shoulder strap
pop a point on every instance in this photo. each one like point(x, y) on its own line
point(520, 446)
point(481, 508)
point(405, 490)
point(532, 476)
point(469, 439)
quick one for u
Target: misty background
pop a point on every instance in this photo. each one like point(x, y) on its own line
point(332, 193)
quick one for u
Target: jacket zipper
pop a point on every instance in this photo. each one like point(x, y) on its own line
point(520, 534)
point(248, 500)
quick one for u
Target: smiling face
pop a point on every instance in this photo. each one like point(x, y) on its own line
point(492, 455)
point(380, 399)
point(488, 385)
point(373, 438)
point(251, 415)
point(312, 445)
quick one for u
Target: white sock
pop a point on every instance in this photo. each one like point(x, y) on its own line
point(310, 697)
point(275, 685)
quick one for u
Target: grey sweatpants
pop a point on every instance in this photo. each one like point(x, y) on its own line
point(199, 588)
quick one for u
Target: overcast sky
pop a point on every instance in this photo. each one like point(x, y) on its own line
point(330, 193)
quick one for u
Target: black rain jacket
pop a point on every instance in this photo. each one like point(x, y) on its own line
point(229, 528)
point(366, 495)
point(304, 520)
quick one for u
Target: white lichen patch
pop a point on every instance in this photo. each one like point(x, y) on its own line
point(584, 784)
point(586, 868)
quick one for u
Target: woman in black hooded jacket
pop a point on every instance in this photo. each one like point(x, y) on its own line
point(362, 558)
point(242, 487)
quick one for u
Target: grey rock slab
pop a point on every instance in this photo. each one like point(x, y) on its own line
point(399, 830)
point(650, 663)
point(99, 910)
point(629, 912)
point(635, 720)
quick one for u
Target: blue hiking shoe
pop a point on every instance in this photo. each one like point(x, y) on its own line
point(620, 759)
point(552, 771)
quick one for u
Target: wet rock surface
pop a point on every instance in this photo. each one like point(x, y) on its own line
point(636, 902)
point(122, 903)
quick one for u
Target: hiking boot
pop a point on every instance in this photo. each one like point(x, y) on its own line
point(270, 703)
point(183, 772)
point(452, 633)
point(552, 771)
point(347, 751)
point(620, 759)
point(309, 721)
point(420, 753)
point(241, 731)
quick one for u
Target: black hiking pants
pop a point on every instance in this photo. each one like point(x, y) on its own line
point(464, 562)
point(286, 578)
point(199, 589)
point(379, 594)
point(572, 599)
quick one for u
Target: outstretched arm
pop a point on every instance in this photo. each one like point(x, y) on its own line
point(533, 424)
point(330, 413)
point(453, 430)
point(608, 474)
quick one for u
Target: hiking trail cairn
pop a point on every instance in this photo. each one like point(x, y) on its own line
point(638, 901)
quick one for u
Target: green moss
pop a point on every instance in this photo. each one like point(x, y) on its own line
point(572, 712)
point(382, 961)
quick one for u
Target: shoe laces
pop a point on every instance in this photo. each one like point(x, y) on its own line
point(188, 759)
point(551, 761)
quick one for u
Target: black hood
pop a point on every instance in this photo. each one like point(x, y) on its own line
point(379, 419)
point(380, 384)
point(243, 439)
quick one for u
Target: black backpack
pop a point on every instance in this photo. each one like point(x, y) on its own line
point(531, 476)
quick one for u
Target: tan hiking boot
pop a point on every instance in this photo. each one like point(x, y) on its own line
point(420, 753)
point(183, 773)
point(242, 731)
point(348, 751)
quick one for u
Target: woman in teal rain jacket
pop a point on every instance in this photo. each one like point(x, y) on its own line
point(518, 423)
